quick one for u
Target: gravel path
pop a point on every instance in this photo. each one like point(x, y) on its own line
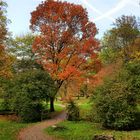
point(35, 132)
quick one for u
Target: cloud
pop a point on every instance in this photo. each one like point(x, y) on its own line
point(120, 5)
point(109, 13)
point(39, 0)
point(94, 9)
point(135, 3)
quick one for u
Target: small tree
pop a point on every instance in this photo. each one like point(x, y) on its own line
point(116, 41)
point(73, 113)
point(30, 89)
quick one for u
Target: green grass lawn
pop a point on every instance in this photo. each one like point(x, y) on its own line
point(9, 130)
point(86, 131)
point(1, 107)
point(58, 107)
point(85, 106)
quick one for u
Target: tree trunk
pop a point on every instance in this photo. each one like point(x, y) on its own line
point(52, 104)
point(58, 85)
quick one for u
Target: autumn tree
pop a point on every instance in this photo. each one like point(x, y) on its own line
point(127, 29)
point(134, 50)
point(123, 34)
point(66, 44)
point(5, 59)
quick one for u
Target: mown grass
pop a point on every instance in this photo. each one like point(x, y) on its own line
point(86, 130)
point(58, 107)
point(9, 130)
point(85, 106)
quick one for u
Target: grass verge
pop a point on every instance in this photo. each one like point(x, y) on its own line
point(9, 130)
point(86, 131)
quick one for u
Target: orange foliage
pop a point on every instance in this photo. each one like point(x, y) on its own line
point(5, 59)
point(5, 63)
point(66, 44)
point(107, 71)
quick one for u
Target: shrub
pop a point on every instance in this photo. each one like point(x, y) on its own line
point(29, 90)
point(31, 112)
point(27, 109)
point(72, 111)
point(115, 102)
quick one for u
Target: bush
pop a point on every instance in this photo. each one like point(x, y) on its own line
point(27, 109)
point(72, 111)
point(4, 96)
point(115, 102)
point(29, 90)
point(30, 112)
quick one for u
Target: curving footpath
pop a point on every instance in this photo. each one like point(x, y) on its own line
point(36, 132)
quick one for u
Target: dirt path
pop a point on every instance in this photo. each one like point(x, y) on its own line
point(36, 132)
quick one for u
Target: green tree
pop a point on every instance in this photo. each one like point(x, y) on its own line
point(72, 109)
point(21, 48)
point(127, 29)
point(115, 102)
point(116, 41)
point(3, 21)
point(135, 50)
point(27, 91)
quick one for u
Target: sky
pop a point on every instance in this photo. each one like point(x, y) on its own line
point(102, 12)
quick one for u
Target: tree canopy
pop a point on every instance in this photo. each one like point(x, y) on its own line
point(66, 42)
point(116, 41)
point(5, 59)
point(21, 48)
